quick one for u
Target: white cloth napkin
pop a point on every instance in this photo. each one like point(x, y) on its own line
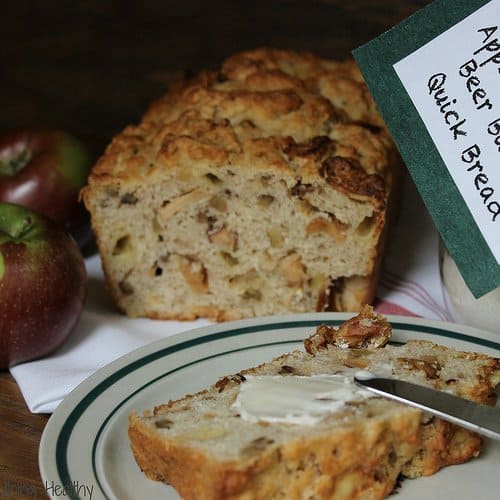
point(410, 282)
point(409, 285)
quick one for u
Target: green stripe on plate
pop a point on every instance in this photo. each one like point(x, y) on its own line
point(76, 413)
point(199, 360)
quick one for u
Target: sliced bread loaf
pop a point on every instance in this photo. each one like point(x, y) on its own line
point(261, 188)
point(207, 447)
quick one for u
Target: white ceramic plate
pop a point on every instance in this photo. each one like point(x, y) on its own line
point(84, 449)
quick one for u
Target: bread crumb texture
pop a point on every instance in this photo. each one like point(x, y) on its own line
point(264, 187)
point(202, 447)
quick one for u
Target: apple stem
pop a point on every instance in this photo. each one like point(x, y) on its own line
point(13, 164)
point(25, 228)
point(19, 231)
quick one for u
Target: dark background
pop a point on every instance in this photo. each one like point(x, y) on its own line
point(91, 67)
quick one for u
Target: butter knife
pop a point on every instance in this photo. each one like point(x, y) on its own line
point(476, 417)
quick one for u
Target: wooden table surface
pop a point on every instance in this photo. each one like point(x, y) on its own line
point(92, 66)
point(20, 433)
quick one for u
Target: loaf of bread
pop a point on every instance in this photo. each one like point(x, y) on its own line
point(204, 448)
point(265, 187)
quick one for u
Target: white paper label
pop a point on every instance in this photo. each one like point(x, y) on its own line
point(454, 83)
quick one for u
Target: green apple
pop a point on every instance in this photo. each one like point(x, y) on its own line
point(42, 285)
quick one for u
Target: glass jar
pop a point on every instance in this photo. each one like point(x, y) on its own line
point(461, 304)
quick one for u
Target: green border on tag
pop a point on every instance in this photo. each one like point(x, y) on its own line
point(451, 216)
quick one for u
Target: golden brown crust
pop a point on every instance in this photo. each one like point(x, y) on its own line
point(261, 95)
point(441, 444)
point(239, 113)
point(321, 467)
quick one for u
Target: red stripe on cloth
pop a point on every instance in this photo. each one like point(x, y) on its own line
point(384, 307)
point(414, 290)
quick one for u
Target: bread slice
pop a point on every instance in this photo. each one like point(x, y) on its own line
point(204, 448)
point(264, 187)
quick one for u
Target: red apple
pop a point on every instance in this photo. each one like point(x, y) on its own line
point(42, 285)
point(44, 170)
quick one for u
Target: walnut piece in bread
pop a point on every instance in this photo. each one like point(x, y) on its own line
point(265, 187)
point(203, 447)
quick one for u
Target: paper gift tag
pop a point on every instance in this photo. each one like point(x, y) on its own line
point(436, 80)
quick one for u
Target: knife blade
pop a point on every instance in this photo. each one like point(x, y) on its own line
point(476, 417)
